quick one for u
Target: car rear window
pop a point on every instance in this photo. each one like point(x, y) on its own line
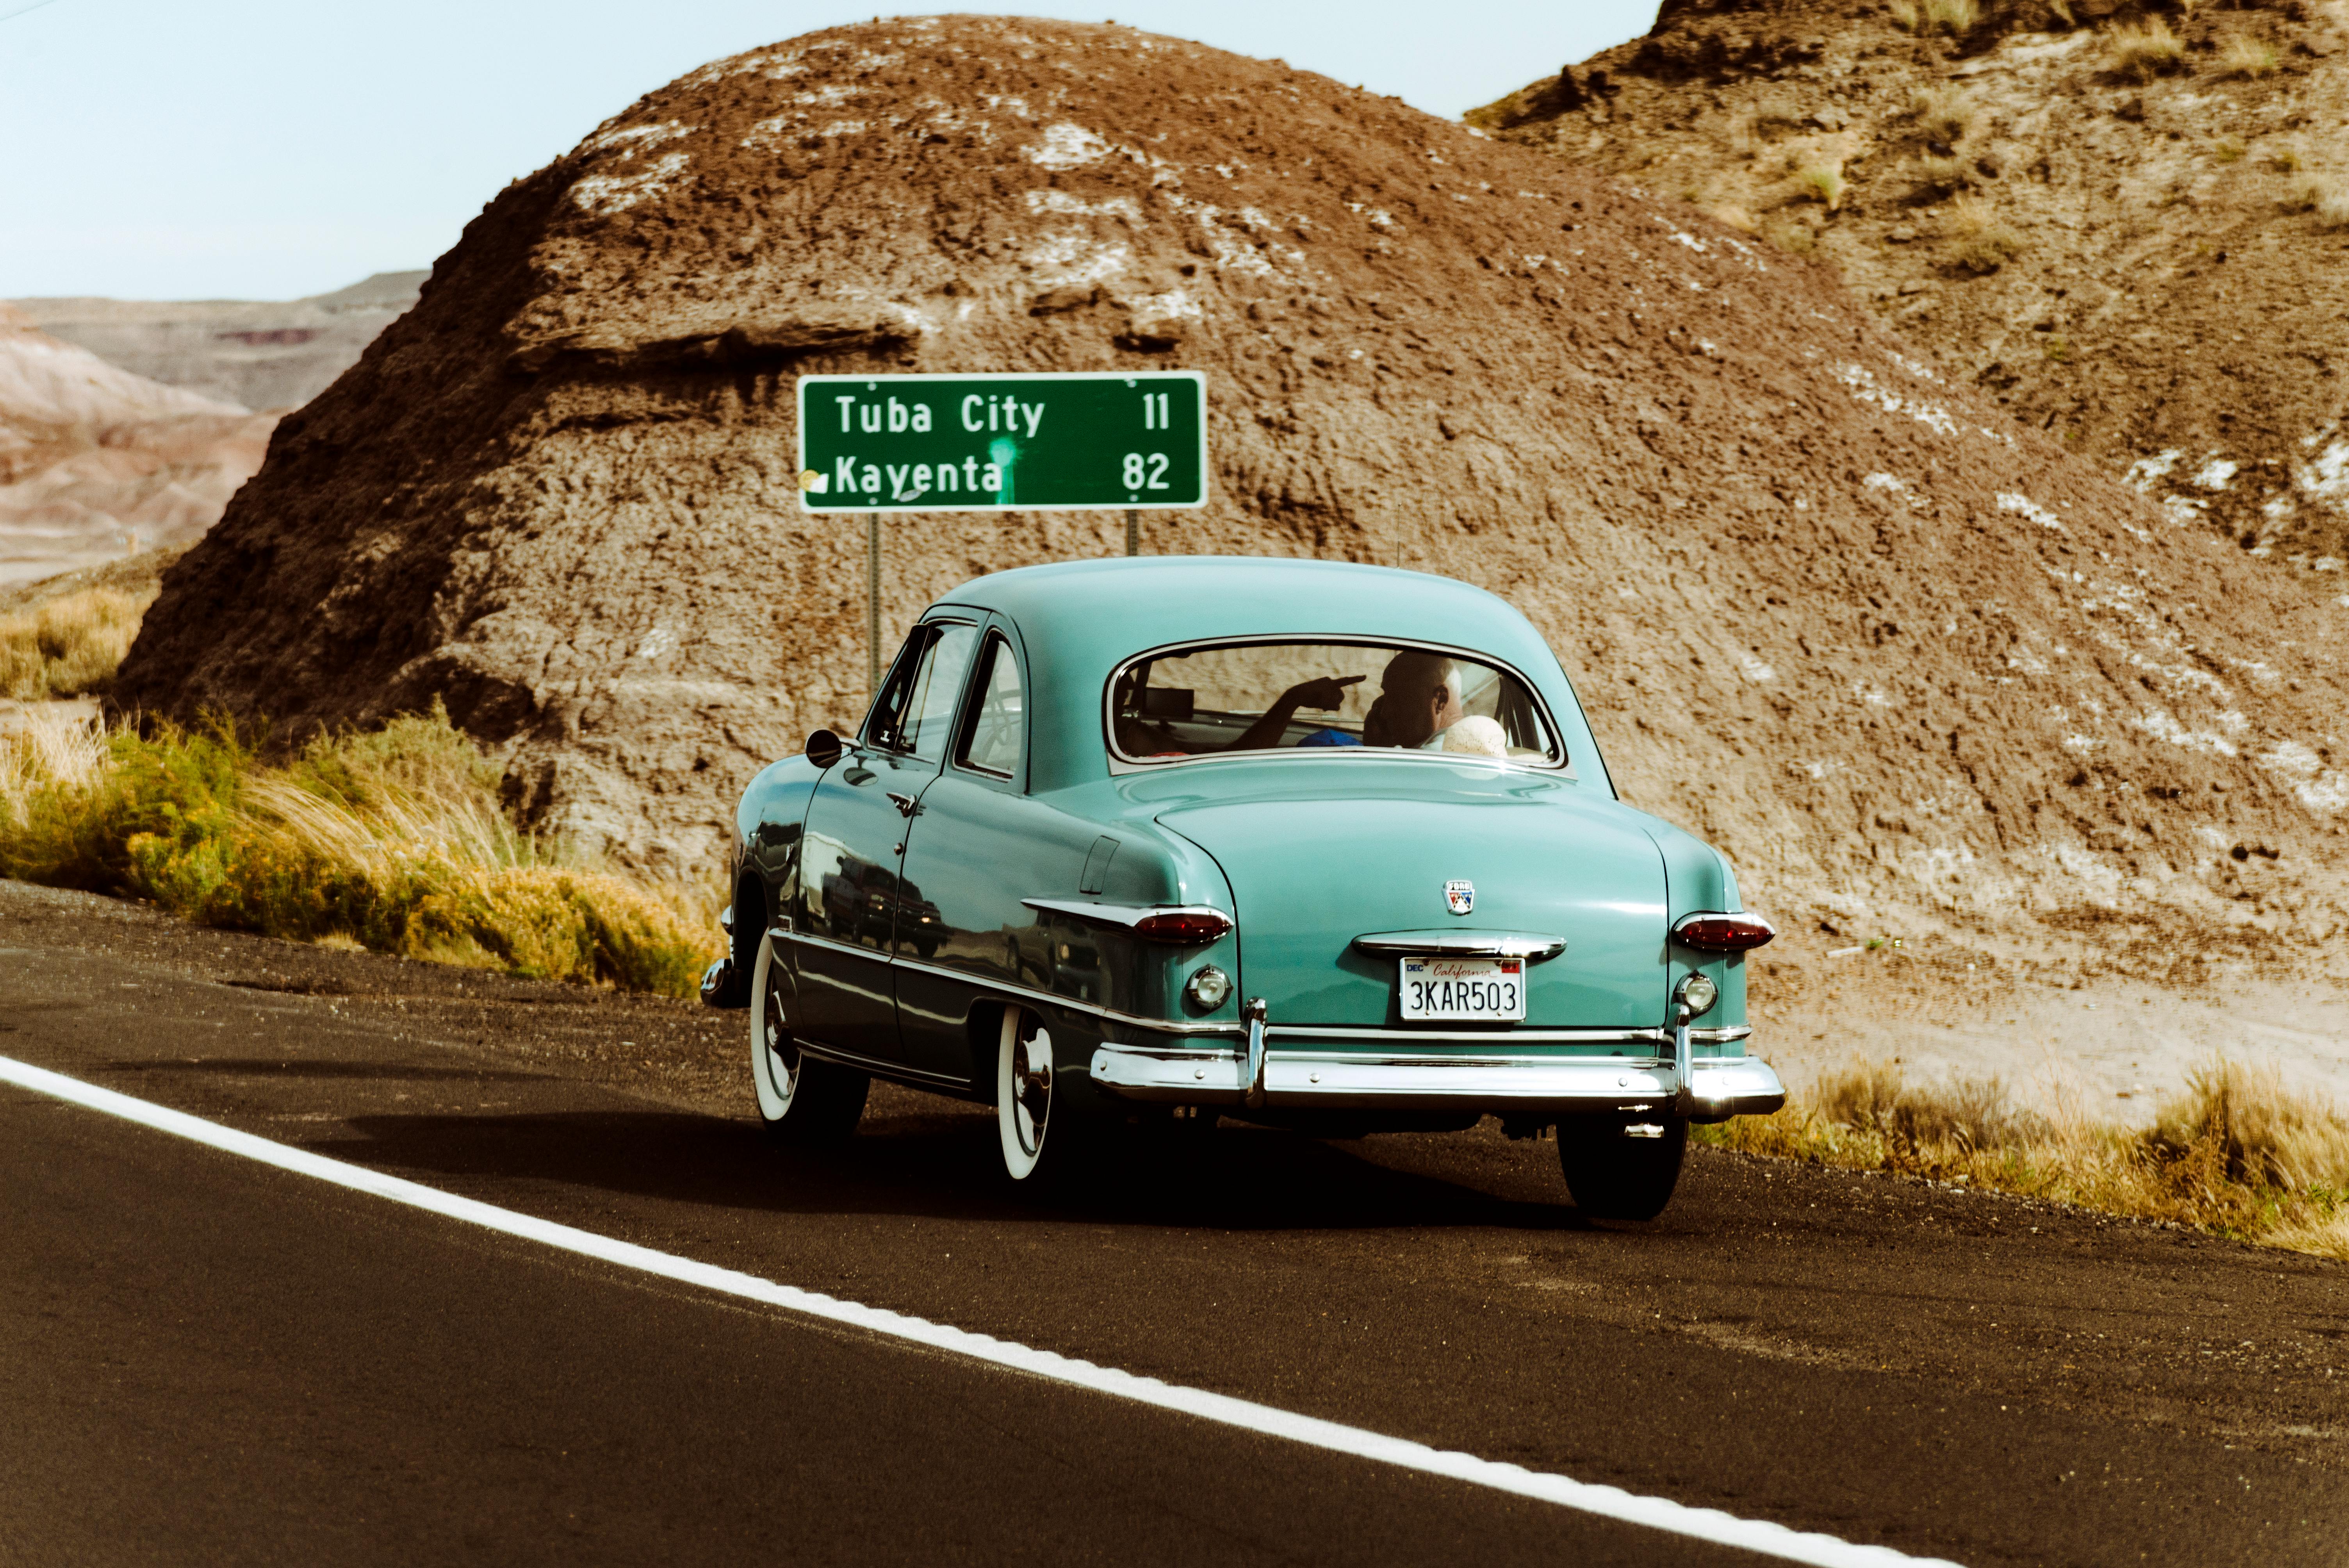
point(1328, 697)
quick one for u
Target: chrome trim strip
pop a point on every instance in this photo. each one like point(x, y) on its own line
point(1023, 993)
point(1124, 915)
point(1255, 1057)
point(1683, 1056)
point(1717, 1090)
point(1529, 945)
point(1449, 1064)
point(1723, 1037)
point(852, 949)
point(1523, 1037)
point(880, 1068)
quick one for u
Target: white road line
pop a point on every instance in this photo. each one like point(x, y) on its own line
point(1606, 1502)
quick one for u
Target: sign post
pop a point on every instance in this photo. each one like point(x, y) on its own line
point(1073, 441)
point(872, 606)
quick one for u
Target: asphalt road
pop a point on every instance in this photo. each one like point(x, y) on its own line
point(204, 1360)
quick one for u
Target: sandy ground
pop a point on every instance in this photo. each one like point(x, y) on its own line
point(2107, 1046)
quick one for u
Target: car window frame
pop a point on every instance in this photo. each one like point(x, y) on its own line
point(928, 631)
point(1119, 763)
point(966, 719)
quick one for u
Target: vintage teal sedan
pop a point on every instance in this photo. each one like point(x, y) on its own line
point(1305, 844)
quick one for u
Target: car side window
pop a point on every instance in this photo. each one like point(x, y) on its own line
point(935, 687)
point(885, 726)
point(999, 718)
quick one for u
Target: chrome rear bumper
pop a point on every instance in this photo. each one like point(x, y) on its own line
point(1508, 1084)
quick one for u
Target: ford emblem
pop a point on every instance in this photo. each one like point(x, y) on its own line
point(1460, 896)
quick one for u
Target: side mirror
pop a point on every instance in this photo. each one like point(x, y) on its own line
point(824, 748)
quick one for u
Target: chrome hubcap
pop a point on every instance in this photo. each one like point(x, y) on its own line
point(783, 1051)
point(1031, 1089)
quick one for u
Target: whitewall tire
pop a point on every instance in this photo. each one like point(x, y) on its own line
point(801, 1099)
point(1025, 1079)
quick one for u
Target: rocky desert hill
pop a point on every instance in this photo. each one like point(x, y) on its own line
point(1829, 604)
point(97, 463)
point(256, 354)
point(2127, 224)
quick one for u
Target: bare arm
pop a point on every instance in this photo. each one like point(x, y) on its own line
point(1323, 692)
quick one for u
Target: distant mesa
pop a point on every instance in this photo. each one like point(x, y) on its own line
point(257, 354)
point(127, 424)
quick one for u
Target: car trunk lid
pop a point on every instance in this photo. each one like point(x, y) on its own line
point(1312, 870)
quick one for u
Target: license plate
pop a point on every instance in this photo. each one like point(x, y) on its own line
point(1485, 990)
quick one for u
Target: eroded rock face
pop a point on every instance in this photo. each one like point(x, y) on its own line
point(1828, 609)
point(2148, 258)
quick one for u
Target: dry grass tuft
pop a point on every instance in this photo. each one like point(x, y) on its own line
point(2228, 150)
point(1821, 182)
point(70, 646)
point(2248, 58)
point(1944, 114)
point(1794, 239)
point(2147, 50)
point(1955, 17)
point(2237, 1154)
point(2326, 197)
point(1944, 174)
point(392, 840)
point(1980, 241)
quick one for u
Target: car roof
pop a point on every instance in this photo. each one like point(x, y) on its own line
point(1080, 619)
point(1123, 605)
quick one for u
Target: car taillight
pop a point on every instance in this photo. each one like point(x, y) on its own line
point(1724, 933)
point(1189, 926)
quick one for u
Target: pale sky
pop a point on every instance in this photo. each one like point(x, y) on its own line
point(272, 148)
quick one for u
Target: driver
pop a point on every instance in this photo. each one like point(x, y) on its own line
point(1419, 699)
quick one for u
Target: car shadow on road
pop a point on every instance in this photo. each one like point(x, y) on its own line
point(944, 1167)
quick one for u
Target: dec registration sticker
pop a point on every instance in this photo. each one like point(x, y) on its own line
point(1483, 990)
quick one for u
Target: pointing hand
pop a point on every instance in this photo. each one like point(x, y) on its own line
point(1327, 692)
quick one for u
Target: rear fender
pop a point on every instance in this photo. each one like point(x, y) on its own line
point(1697, 879)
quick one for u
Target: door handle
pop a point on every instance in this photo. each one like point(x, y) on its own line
point(906, 805)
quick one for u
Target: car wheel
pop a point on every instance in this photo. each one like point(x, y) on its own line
point(1037, 1140)
point(801, 1101)
point(1619, 1170)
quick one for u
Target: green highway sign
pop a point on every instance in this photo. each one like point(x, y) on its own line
point(1082, 441)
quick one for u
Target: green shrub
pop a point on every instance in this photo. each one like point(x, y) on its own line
point(393, 840)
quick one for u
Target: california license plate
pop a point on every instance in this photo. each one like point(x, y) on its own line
point(1484, 990)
